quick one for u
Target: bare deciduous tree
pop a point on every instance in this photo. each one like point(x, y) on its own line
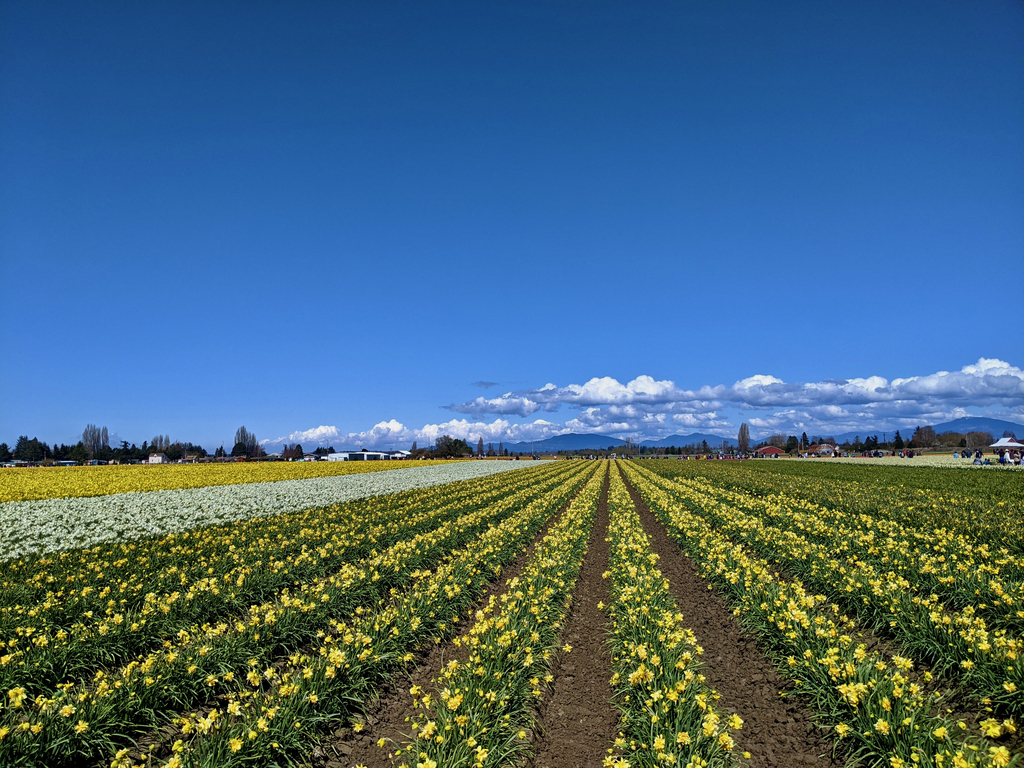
point(94, 439)
point(247, 439)
point(160, 443)
point(979, 439)
point(744, 438)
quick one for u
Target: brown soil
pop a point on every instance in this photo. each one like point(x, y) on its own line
point(577, 722)
point(776, 731)
point(390, 716)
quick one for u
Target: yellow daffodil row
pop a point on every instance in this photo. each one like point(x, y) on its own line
point(134, 605)
point(482, 705)
point(54, 591)
point(952, 563)
point(197, 665)
point(871, 584)
point(73, 482)
point(668, 711)
point(986, 508)
point(877, 707)
point(273, 713)
point(956, 567)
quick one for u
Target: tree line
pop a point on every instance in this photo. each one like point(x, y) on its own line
point(95, 446)
point(448, 447)
point(922, 437)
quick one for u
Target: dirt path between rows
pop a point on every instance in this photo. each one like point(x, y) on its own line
point(577, 722)
point(390, 717)
point(776, 731)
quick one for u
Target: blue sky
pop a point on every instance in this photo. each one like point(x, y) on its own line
point(312, 219)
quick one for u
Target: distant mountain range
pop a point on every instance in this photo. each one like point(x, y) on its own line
point(594, 442)
point(678, 441)
point(995, 427)
point(979, 424)
point(570, 442)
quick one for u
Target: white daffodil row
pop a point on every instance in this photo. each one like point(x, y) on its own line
point(50, 525)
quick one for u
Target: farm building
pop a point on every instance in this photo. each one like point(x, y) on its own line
point(822, 449)
point(769, 450)
point(363, 455)
point(158, 458)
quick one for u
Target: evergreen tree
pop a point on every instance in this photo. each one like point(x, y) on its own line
point(30, 450)
point(897, 442)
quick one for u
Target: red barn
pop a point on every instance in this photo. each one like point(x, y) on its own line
point(769, 450)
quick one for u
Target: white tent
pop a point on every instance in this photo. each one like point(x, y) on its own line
point(1006, 442)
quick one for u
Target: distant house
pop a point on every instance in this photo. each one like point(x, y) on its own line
point(400, 455)
point(821, 449)
point(769, 450)
point(158, 458)
point(363, 455)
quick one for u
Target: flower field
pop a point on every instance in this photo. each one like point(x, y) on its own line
point(48, 525)
point(431, 625)
point(929, 460)
point(73, 482)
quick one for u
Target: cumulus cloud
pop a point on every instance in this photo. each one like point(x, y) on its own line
point(988, 382)
point(394, 434)
point(648, 407)
point(508, 404)
point(314, 436)
point(606, 404)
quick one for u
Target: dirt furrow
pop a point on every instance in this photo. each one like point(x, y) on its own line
point(776, 731)
point(390, 716)
point(577, 722)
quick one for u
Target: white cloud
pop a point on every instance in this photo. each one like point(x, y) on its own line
point(508, 404)
point(394, 434)
point(649, 407)
point(757, 380)
point(314, 436)
point(988, 382)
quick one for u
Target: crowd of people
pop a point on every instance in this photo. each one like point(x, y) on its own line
point(1005, 456)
